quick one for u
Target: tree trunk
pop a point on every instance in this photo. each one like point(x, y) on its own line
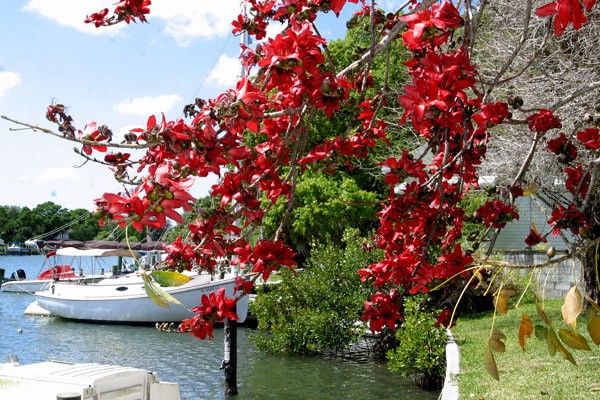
point(229, 365)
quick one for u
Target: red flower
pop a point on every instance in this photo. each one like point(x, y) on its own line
point(265, 257)
point(442, 319)
point(401, 168)
point(92, 133)
point(198, 327)
point(383, 309)
point(98, 18)
point(534, 237)
point(497, 213)
point(565, 11)
point(571, 218)
point(543, 121)
point(578, 181)
point(430, 26)
point(243, 285)
point(180, 255)
point(215, 307)
point(563, 147)
point(590, 138)
point(452, 263)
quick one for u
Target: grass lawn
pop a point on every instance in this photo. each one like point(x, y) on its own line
point(532, 374)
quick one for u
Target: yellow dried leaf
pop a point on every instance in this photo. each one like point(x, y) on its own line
point(573, 339)
point(525, 330)
point(572, 306)
point(594, 326)
point(490, 364)
point(501, 301)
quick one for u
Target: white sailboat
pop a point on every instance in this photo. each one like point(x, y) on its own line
point(124, 300)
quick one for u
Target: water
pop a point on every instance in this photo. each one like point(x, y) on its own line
point(192, 363)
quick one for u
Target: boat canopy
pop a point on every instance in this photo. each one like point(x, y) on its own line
point(103, 244)
point(74, 252)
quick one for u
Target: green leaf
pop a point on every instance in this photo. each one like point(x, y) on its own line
point(156, 294)
point(573, 339)
point(525, 330)
point(552, 342)
point(490, 364)
point(594, 326)
point(557, 346)
point(541, 312)
point(170, 278)
point(541, 332)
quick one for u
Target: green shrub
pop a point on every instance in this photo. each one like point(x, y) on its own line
point(421, 352)
point(316, 310)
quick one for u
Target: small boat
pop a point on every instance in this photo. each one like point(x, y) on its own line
point(18, 281)
point(18, 249)
point(54, 380)
point(123, 299)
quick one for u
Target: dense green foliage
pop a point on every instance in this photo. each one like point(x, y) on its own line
point(20, 224)
point(422, 345)
point(325, 206)
point(316, 310)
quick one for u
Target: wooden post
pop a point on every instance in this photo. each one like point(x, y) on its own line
point(230, 359)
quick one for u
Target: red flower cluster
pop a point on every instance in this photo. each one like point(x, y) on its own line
point(213, 308)
point(383, 310)
point(543, 121)
point(431, 26)
point(497, 213)
point(180, 255)
point(590, 138)
point(265, 257)
point(564, 148)
point(125, 10)
point(92, 133)
point(568, 218)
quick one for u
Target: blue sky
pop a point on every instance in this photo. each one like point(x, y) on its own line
point(116, 76)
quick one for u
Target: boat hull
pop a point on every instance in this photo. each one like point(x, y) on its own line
point(124, 300)
point(27, 286)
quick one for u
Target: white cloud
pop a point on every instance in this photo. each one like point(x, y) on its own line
point(72, 13)
point(8, 80)
point(147, 105)
point(187, 20)
point(225, 73)
point(58, 174)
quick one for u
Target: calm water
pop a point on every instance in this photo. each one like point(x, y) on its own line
point(192, 363)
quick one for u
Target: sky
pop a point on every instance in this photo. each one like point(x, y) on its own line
point(116, 76)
